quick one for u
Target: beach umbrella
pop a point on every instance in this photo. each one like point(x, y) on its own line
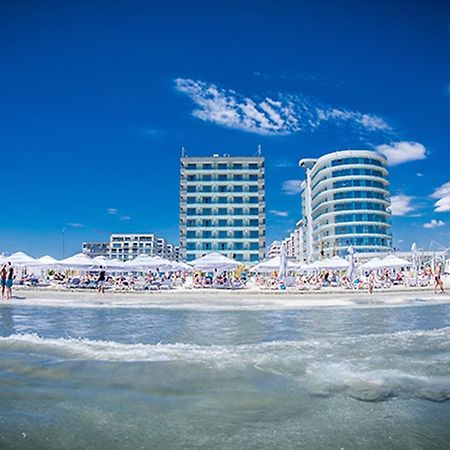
point(335, 263)
point(107, 263)
point(272, 265)
point(351, 271)
point(181, 266)
point(392, 262)
point(144, 263)
point(371, 264)
point(78, 261)
point(45, 262)
point(214, 261)
point(19, 259)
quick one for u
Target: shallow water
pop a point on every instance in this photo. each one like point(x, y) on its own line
point(363, 378)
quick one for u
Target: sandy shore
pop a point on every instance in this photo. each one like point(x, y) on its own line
point(212, 299)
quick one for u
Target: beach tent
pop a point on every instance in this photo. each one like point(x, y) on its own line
point(214, 261)
point(392, 262)
point(78, 261)
point(272, 265)
point(19, 259)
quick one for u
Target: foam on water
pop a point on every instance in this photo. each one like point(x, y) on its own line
point(323, 367)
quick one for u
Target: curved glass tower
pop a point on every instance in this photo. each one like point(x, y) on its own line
point(345, 202)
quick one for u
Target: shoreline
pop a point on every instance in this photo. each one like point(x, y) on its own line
point(216, 299)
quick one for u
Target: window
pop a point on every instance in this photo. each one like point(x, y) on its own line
point(190, 246)
point(237, 166)
point(222, 223)
point(192, 166)
point(253, 188)
point(238, 211)
point(253, 177)
point(207, 211)
point(191, 211)
point(207, 188)
point(253, 211)
point(191, 200)
point(238, 223)
point(238, 246)
point(253, 222)
point(222, 166)
point(254, 245)
point(222, 178)
point(206, 235)
point(252, 166)
point(207, 166)
point(238, 199)
point(223, 246)
point(237, 177)
point(254, 234)
point(222, 234)
point(222, 212)
point(238, 188)
point(253, 200)
point(191, 188)
point(238, 234)
point(190, 234)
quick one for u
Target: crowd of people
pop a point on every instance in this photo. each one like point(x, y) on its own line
point(101, 279)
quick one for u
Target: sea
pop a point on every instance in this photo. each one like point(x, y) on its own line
point(146, 378)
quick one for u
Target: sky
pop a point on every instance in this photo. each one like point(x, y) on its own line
point(97, 99)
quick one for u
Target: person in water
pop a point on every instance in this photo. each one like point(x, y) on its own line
point(101, 280)
point(3, 274)
point(9, 280)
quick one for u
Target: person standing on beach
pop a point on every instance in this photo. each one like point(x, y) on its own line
point(3, 275)
point(9, 280)
point(101, 280)
point(438, 283)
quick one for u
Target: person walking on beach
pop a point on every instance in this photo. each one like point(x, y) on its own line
point(438, 283)
point(3, 275)
point(101, 280)
point(9, 280)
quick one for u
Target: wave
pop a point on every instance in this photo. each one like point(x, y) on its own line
point(82, 348)
point(352, 366)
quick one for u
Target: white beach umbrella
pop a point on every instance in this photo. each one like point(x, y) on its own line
point(146, 263)
point(45, 262)
point(111, 264)
point(78, 261)
point(371, 264)
point(19, 259)
point(214, 261)
point(272, 265)
point(392, 262)
point(181, 266)
point(335, 263)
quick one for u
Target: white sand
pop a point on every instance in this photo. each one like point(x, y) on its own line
point(212, 299)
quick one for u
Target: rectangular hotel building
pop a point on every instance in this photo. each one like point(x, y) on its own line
point(222, 207)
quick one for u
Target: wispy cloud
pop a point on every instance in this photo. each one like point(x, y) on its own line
point(292, 187)
point(116, 213)
point(283, 164)
point(434, 224)
point(75, 225)
point(403, 151)
point(282, 114)
point(401, 205)
point(279, 213)
point(442, 194)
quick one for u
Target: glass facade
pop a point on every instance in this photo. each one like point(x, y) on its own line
point(345, 202)
point(222, 207)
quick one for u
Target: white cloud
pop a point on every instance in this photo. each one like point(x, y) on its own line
point(279, 213)
point(434, 224)
point(442, 194)
point(419, 174)
point(75, 225)
point(115, 212)
point(401, 152)
point(401, 205)
point(281, 115)
point(292, 187)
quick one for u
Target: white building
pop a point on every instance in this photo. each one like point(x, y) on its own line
point(126, 246)
point(222, 207)
point(274, 249)
point(345, 202)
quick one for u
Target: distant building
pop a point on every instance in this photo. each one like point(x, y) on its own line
point(222, 207)
point(126, 246)
point(345, 202)
point(274, 249)
point(94, 249)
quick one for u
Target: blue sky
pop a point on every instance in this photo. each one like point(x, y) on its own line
point(97, 98)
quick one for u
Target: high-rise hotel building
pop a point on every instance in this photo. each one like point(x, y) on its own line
point(222, 207)
point(345, 202)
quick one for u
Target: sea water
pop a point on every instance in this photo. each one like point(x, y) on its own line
point(132, 378)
